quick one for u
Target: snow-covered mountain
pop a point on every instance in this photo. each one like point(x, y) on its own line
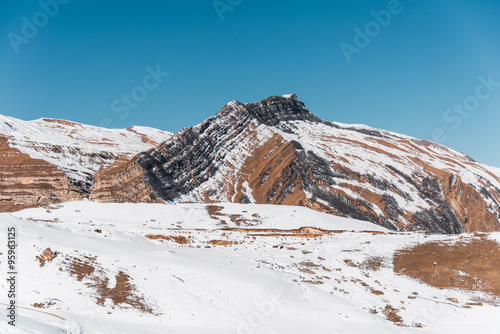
point(37, 150)
point(270, 152)
point(266, 219)
point(234, 268)
point(277, 152)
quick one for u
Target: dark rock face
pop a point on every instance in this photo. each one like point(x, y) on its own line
point(272, 111)
point(256, 152)
point(178, 166)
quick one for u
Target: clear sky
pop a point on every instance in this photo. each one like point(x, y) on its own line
point(90, 61)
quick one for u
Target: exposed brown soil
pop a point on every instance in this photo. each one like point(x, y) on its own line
point(372, 263)
point(371, 289)
point(38, 305)
point(375, 292)
point(81, 267)
point(222, 242)
point(316, 282)
point(307, 271)
point(351, 264)
point(86, 269)
point(303, 232)
point(122, 293)
point(391, 314)
point(180, 239)
point(470, 264)
point(215, 211)
point(308, 264)
point(239, 220)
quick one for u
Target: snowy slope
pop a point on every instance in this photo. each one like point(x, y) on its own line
point(222, 279)
point(77, 149)
point(400, 153)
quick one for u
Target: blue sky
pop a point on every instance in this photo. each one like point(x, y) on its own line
point(82, 61)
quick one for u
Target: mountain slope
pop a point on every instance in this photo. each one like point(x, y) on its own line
point(48, 161)
point(277, 152)
point(233, 268)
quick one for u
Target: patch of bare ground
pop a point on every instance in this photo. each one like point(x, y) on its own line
point(391, 314)
point(350, 263)
point(122, 293)
point(239, 220)
point(81, 267)
point(315, 282)
point(303, 232)
point(307, 271)
point(86, 269)
point(222, 242)
point(375, 291)
point(373, 263)
point(371, 289)
point(309, 264)
point(469, 264)
point(38, 305)
point(180, 239)
point(46, 256)
point(215, 211)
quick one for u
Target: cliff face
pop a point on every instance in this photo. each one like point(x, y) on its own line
point(122, 182)
point(26, 182)
point(277, 152)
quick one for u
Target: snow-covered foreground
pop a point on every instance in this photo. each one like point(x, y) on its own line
point(222, 268)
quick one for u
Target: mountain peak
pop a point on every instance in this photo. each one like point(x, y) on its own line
point(270, 111)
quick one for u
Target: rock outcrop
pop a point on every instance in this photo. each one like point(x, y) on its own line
point(47, 255)
point(26, 182)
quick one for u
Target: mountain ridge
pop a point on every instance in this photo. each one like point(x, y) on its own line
point(276, 151)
